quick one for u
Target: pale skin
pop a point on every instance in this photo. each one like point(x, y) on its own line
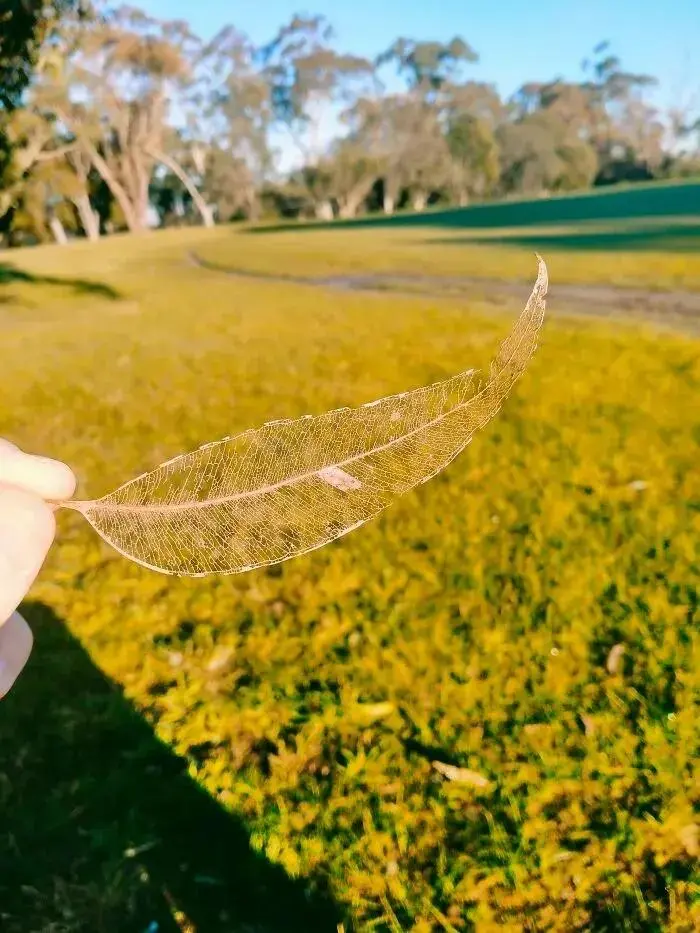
point(28, 484)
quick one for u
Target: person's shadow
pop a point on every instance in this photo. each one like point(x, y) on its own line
point(101, 828)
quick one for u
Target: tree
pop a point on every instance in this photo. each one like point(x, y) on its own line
point(315, 183)
point(426, 164)
point(475, 158)
point(428, 66)
point(48, 206)
point(306, 76)
point(29, 138)
point(80, 189)
point(120, 77)
point(606, 111)
point(540, 153)
point(472, 112)
point(228, 123)
point(229, 184)
point(417, 154)
point(352, 172)
point(25, 25)
point(27, 30)
point(404, 146)
point(114, 110)
point(618, 112)
point(475, 99)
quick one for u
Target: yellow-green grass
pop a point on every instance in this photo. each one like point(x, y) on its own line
point(495, 254)
point(471, 624)
point(596, 232)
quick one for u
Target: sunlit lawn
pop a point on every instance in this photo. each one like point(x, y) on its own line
point(472, 624)
point(506, 254)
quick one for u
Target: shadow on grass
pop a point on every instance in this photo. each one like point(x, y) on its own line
point(102, 829)
point(10, 274)
point(678, 238)
point(604, 205)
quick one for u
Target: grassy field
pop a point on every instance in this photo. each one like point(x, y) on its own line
point(666, 204)
point(254, 753)
point(596, 236)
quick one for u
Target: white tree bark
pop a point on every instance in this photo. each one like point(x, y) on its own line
point(131, 214)
point(102, 166)
point(58, 231)
point(355, 198)
point(204, 209)
point(323, 210)
point(89, 218)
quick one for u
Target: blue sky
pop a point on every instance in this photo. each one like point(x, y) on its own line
point(517, 40)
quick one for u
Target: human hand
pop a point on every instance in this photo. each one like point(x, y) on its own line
point(27, 528)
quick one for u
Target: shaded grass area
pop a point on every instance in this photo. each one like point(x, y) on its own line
point(667, 237)
point(675, 200)
point(476, 622)
point(102, 827)
point(11, 275)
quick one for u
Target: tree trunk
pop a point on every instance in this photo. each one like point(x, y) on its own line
point(143, 203)
point(89, 218)
point(253, 205)
point(204, 209)
point(131, 216)
point(323, 210)
point(356, 197)
point(392, 189)
point(59, 233)
point(8, 197)
point(351, 205)
point(142, 178)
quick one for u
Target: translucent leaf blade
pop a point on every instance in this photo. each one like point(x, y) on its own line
point(292, 486)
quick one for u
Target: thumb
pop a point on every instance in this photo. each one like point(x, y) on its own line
point(27, 525)
point(27, 528)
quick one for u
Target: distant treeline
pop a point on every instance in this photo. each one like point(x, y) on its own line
point(112, 120)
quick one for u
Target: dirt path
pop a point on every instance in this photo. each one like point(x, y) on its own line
point(676, 311)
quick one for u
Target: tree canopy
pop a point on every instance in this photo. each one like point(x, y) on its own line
point(112, 119)
point(25, 26)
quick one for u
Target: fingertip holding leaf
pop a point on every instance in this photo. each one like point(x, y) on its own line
point(290, 487)
point(45, 478)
